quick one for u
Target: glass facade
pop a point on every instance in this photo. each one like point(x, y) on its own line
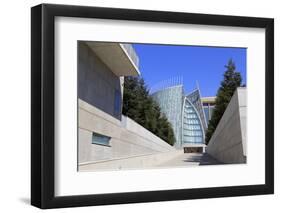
point(170, 103)
point(211, 109)
point(185, 113)
point(117, 102)
point(192, 129)
point(208, 111)
point(195, 98)
point(208, 107)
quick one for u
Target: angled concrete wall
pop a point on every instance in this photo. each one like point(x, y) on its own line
point(128, 139)
point(146, 161)
point(228, 143)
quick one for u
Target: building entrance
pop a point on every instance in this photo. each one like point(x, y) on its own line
point(193, 149)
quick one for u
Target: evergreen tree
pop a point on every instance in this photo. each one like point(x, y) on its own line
point(139, 106)
point(231, 80)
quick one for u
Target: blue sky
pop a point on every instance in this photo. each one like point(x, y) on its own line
point(193, 63)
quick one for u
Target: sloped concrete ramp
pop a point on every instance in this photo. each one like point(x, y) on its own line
point(190, 159)
point(163, 160)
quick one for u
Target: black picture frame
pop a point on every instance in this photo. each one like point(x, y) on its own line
point(43, 105)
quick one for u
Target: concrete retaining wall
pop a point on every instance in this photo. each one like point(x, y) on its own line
point(128, 139)
point(228, 143)
point(142, 161)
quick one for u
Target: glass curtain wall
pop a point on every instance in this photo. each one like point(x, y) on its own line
point(195, 98)
point(170, 102)
point(192, 128)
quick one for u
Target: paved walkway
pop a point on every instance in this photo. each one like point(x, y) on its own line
point(190, 159)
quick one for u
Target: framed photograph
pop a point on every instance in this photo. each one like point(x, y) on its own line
point(136, 106)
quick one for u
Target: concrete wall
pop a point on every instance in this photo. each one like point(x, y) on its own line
point(97, 84)
point(128, 139)
point(228, 143)
point(146, 161)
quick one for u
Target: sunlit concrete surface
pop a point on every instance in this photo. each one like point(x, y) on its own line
point(128, 139)
point(228, 143)
point(120, 58)
point(131, 162)
point(169, 159)
point(190, 159)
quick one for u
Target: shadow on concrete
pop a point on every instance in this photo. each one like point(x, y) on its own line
point(193, 158)
point(208, 160)
point(202, 159)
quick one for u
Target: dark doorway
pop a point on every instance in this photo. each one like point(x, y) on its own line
point(193, 149)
